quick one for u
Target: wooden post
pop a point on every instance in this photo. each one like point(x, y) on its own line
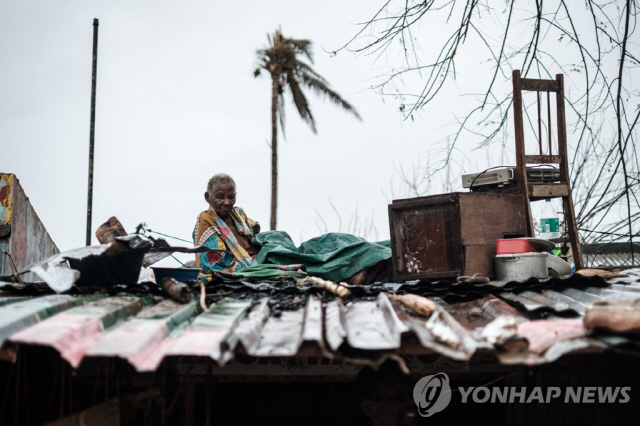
point(92, 127)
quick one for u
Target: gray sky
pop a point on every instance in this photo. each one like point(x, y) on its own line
point(177, 102)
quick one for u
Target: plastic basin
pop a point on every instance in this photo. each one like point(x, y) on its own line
point(178, 274)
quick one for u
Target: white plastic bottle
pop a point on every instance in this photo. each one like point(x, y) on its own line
point(549, 222)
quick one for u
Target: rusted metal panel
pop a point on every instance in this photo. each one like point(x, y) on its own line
point(28, 240)
point(281, 336)
point(312, 330)
point(363, 332)
point(74, 332)
point(7, 184)
point(374, 325)
point(334, 323)
point(22, 314)
point(577, 305)
point(543, 333)
point(145, 339)
point(208, 332)
point(9, 300)
point(6, 201)
point(249, 330)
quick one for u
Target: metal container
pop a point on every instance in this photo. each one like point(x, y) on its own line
point(521, 267)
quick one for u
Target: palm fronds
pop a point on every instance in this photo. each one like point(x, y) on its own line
point(280, 60)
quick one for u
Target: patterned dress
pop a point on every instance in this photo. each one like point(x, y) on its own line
point(212, 232)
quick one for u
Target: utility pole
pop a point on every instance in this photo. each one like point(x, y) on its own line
point(92, 127)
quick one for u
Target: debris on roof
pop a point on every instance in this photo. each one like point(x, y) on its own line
point(529, 322)
point(118, 262)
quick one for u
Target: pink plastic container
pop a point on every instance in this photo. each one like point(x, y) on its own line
point(514, 246)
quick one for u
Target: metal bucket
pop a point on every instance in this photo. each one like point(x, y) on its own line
point(521, 267)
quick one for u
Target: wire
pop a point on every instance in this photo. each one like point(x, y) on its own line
point(15, 269)
point(483, 172)
point(142, 228)
point(170, 236)
point(607, 233)
point(177, 260)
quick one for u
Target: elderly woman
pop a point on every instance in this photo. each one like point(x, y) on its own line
point(224, 227)
point(227, 229)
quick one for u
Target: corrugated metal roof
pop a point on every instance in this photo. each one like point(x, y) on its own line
point(547, 323)
point(610, 254)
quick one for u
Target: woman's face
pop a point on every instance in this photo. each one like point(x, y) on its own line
point(222, 199)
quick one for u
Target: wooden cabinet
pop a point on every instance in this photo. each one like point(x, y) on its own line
point(452, 234)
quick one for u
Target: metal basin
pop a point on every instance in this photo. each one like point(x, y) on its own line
point(521, 267)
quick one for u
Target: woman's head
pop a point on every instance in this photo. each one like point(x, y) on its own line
point(221, 194)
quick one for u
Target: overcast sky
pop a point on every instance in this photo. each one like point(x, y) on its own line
point(177, 102)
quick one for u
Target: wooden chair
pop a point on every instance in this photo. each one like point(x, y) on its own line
point(540, 191)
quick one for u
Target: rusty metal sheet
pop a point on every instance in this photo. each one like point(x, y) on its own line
point(542, 333)
point(20, 315)
point(360, 332)
point(460, 337)
point(546, 301)
point(374, 325)
point(293, 333)
point(9, 300)
point(280, 336)
point(481, 312)
point(74, 332)
point(207, 334)
point(142, 340)
point(334, 323)
point(533, 304)
point(575, 304)
point(312, 330)
point(581, 296)
point(614, 289)
point(7, 181)
point(24, 237)
point(249, 330)
point(442, 333)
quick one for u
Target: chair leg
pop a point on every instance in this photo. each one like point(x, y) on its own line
point(569, 217)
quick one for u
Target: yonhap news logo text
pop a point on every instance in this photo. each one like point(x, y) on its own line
point(432, 394)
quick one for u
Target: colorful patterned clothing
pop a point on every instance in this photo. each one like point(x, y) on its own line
point(211, 231)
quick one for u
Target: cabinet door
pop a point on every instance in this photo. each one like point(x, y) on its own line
point(425, 238)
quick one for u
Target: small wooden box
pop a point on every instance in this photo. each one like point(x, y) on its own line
point(453, 234)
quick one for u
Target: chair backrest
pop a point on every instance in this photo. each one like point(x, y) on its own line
point(560, 156)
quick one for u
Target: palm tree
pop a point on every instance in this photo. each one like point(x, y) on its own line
point(287, 71)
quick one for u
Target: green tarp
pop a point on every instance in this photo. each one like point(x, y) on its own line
point(332, 256)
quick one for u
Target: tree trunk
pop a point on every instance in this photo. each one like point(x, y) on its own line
point(274, 149)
